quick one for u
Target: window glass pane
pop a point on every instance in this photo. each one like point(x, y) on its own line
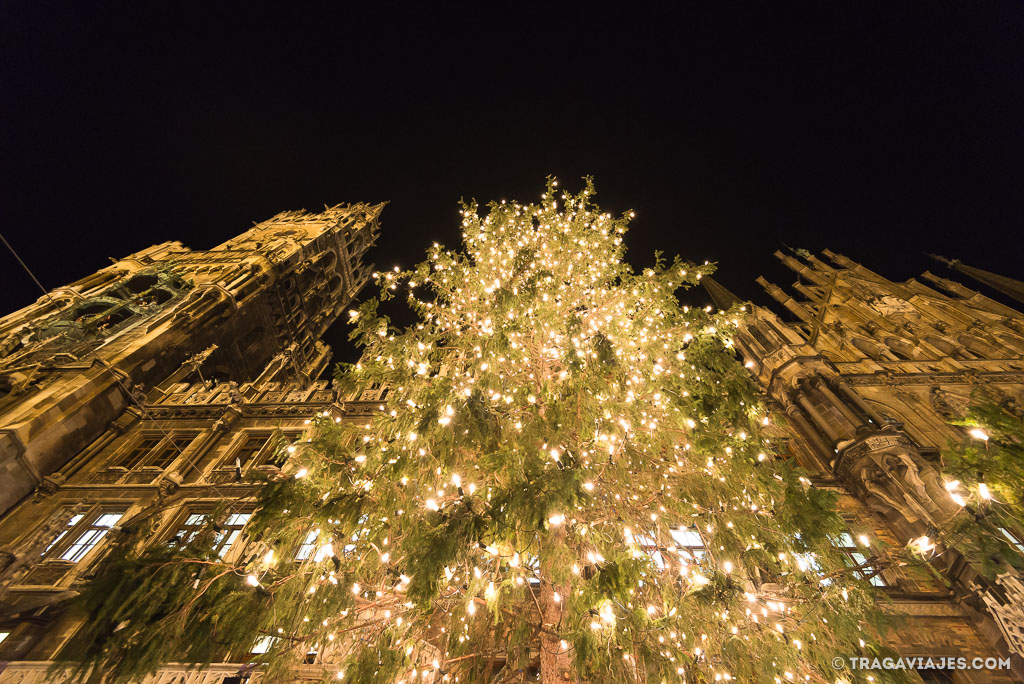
point(171, 451)
point(644, 541)
point(250, 447)
point(233, 528)
point(232, 536)
point(75, 519)
point(188, 530)
point(138, 452)
point(238, 519)
point(688, 536)
point(305, 549)
point(108, 519)
point(1013, 538)
point(82, 545)
point(90, 538)
point(263, 645)
point(857, 557)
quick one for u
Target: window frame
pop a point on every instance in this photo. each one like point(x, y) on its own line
point(137, 456)
point(856, 554)
point(1012, 538)
point(688, 554)
point(261, 457)
point(84, 526)
point(307, 547)
point(133, 454)
point(171, 444)
point(226, 537)
point(245, 437)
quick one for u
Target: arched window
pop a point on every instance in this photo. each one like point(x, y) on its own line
point(140, 283)
point(979, 347)
point(759, 337)
point(1013, 342)
point(87, 311)
point(901, 348)
point(947, 347)
point(869, 349)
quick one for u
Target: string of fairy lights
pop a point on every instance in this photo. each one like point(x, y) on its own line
point(571, 468)
point(540, 298)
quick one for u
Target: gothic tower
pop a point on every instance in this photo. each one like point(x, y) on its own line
point(866, 383)
point(73, 362)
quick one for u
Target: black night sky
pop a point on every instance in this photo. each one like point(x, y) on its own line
point(880, 132)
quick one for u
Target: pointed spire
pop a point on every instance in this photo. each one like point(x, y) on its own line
point(801, 269)
point(721, 296)
point(1008, 286)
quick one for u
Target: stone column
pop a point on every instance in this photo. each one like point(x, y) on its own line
point(810, 434)
point(823, 389)
point(820, 421)
point(846, 391)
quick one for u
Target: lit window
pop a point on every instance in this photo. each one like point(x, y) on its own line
point(1013, 539)
point(533, 564)
point(90, 537)
point(855, 554)
point(809, 562)
point(263, 645)
point(689, 541)
point(189, 528)
point(231, 530)
point(226, 536)
point(75, 519)
point(307, 547)
point(650, 546)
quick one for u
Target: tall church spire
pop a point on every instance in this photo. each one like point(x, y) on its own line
point(1008, 286)
point(721, 296)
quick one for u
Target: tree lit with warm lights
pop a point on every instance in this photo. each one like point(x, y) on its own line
point(568, 475)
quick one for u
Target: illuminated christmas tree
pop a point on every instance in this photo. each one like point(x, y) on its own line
point(568, 475)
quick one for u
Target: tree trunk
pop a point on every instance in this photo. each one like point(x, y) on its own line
point(555, 661)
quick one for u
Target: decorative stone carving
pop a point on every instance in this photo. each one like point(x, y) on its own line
point(947, 404)
point(1008, 609)
point(893, 476)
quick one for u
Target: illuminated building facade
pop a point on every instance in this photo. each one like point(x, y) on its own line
point(147, 393)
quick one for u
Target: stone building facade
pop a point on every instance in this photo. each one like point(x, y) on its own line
point(866, 382)
point(119, 413)
point(149, 389)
